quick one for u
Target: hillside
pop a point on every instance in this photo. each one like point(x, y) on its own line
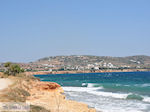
point(87, 62)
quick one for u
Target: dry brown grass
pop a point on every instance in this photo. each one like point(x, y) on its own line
point(14, 93)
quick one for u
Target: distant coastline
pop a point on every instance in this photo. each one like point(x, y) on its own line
point(86, 71)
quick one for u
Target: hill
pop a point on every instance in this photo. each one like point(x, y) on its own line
point(88, 62)
point(85, 62)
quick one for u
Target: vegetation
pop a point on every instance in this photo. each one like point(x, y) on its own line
point(12, 69)
point(34, 108)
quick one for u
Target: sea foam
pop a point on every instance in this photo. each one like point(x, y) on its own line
point(96, 91)
point(105, 101)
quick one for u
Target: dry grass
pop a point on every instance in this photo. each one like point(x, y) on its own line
point(14, 93)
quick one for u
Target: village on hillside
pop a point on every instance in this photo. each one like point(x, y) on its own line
point(81, 63)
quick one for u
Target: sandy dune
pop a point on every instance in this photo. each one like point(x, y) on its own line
point(4, 83)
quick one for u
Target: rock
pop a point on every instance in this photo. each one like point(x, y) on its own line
point(49, 95)
point(48, 85)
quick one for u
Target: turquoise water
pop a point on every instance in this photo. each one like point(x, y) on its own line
point(122, 91)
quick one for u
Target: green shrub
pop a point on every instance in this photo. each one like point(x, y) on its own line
point(12, 69)
point(34, 108)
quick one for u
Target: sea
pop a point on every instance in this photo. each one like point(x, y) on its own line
point(106, 92)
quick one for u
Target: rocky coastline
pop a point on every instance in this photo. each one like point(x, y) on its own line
point(41, 96)
point(51, 96)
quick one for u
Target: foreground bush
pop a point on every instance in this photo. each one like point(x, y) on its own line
point(12, 69)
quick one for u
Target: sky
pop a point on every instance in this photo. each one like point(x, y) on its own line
point(33, 29)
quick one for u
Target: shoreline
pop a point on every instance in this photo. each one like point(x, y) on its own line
point(42, 91)
point(44, 95)
point(86, 71)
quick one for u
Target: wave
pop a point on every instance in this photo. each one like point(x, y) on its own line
point(84, 84)
point(134, 97)
point(90, 85)
point(99, 89)
point(143, 85)
point(146, 99)
point(96, 91)
point(139, 97)
point(81, 89)
point(109, 94)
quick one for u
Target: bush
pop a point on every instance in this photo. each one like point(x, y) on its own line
point(34, 108)
point(12, 69)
